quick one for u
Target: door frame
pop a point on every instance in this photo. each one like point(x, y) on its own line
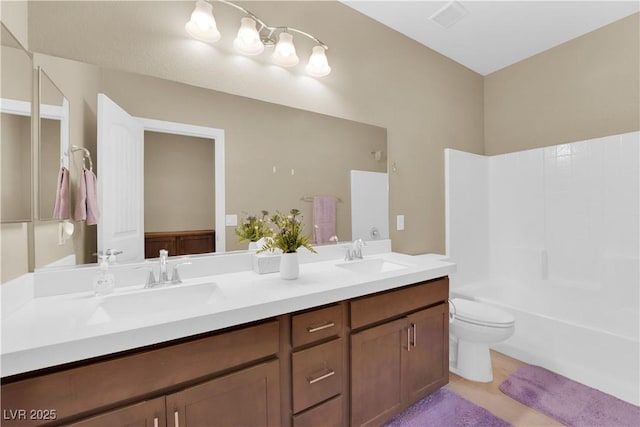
point(162, 126)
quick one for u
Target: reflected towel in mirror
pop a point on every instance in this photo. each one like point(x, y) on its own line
point(61, 207)
point(87, 200)
point(324, 218)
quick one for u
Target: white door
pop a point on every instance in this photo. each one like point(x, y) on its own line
point(369, 205)
point(120, 181)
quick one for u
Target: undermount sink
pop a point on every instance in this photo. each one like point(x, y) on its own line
point(155, 301)
point(370, 266)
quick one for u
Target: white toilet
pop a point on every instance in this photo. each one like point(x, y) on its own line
point(474, 327)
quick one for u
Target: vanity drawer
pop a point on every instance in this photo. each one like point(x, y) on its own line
point(329, 414)
point(316, 325)
point(317, 374)
point(390, 304)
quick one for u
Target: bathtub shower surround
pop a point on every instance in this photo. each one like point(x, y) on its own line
point(552, 235)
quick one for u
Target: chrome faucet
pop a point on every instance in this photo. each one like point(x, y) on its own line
point(355, 251)
point(357, 248)
point(163, 276)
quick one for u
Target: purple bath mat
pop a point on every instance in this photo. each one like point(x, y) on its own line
point(567, 401)
point(446, 408)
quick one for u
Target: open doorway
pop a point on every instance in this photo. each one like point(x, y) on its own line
point(121, 185)
point(179, 189)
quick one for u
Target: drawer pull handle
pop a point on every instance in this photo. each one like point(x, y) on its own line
point(415, 334)
point(321, 327)
point(176, 418)
point(408, 339)
point(329, 373)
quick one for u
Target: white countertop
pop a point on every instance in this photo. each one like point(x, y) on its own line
point(53, 330)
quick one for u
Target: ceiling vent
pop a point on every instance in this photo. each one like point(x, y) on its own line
point(449, 14)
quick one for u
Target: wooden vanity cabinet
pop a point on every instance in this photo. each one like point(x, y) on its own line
point(250, 397)
point(356, 362)
point(319, 366)
point(179, 242)
point(399, 350)
point(231, 375)
point(144, 414)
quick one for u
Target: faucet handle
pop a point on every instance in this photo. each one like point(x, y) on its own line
point(151, 278)
point(348, 256)
point(175, 276)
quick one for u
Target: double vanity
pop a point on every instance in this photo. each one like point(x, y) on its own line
point(347, 343)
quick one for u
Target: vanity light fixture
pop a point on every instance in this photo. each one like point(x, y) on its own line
point(254, 35)
point(202, 25)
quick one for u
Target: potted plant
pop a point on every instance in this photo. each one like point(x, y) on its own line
point(288, 238)
point(253, 228)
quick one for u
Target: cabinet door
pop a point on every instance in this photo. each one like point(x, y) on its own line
point(196, 243)
point(145, 414)
point(250, 397)
point(428, 356)
point(376, 372)
point(153, 244)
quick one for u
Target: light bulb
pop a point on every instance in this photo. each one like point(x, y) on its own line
point(318, 65)
point(202, 25)
point(248, 40)
point(285, 52)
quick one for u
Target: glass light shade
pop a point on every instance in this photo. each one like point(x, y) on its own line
point(248, 40)
point(285, 52)
point(202, 25)
point(318, 65)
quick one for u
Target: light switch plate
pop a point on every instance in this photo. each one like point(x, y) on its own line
point(231, 220)
point(400, 222)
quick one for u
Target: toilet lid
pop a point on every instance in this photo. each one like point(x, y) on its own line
point(481, 314)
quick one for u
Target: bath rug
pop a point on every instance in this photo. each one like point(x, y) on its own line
point(446, 408)
point(567, 401)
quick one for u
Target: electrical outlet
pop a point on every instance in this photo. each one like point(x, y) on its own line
point(400, 222)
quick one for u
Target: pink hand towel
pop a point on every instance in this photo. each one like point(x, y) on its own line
point(324, 218)
point(80, 212)
point(93, 213)
point(87, 200)
point(61, 206)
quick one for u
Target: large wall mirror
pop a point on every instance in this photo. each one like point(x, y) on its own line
point(53, 144)
point(275, 158)
point(16, 109)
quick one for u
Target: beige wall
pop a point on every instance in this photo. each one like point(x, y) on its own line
point(16, 170)
point(15, 15)
point(321, 150)
point(585, 88)
point(49, 167)
point(425, 101)
point(178, 183)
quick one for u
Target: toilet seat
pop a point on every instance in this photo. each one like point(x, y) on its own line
point(481, 314)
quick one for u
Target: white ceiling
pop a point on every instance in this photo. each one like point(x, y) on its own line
point(496, 34)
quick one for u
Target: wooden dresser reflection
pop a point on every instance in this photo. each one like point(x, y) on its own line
point(179, 242)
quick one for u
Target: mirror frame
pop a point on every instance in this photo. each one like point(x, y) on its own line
point(24, 108)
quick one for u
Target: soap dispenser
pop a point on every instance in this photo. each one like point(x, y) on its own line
point(104, 282)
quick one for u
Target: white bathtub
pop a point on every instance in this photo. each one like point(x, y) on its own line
point(586, 335)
